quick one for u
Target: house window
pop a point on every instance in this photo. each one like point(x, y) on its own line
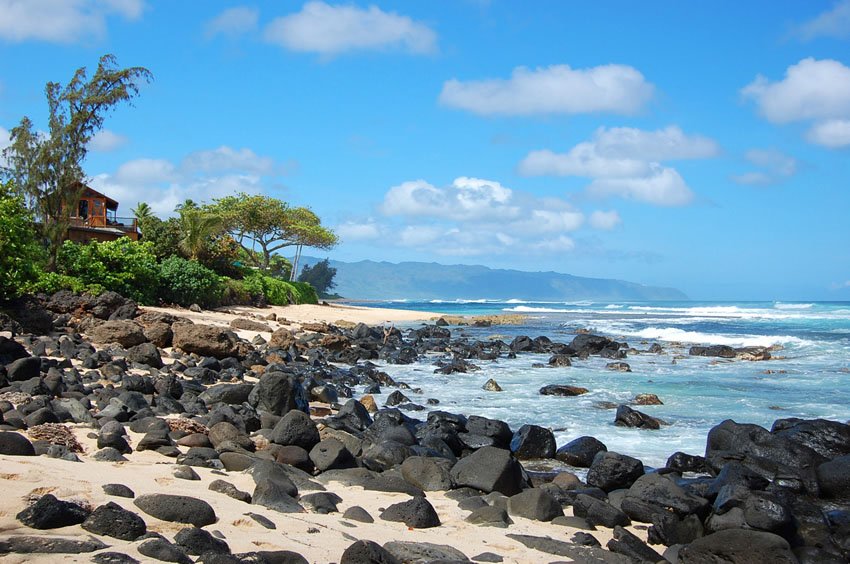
point(84, 209)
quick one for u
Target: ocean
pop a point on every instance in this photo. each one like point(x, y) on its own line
point(808, 378)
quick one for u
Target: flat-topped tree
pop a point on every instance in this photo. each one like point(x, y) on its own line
point(47, 167)
point(263, 225)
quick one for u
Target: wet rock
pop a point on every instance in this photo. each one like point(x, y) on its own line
point(51, 513)
point(722, 351)
point(491, 386)
point(114, 521)
point(489, 469)
point(417, 513)
point(562, 390)
point(681, 462)
point(177, 508)
point(612, 471)
point(580, 452)
point(628, 417)
point(533, 441)
point(647, 399)
point(618, 367)
point(560, 360)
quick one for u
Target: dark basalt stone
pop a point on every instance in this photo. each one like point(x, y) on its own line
point(417, 513)
point(24, 544)
point(197, 541)
point(114, 521)
point(738, 546)
point(612, 471)
point(533, 441)
point(15, 444)
point(489, 469)
point(161, 549)
point(534, 504)
point(628, 417)
point(177, 508)
point(367, 552)
point(580, 452)
point(51, 513)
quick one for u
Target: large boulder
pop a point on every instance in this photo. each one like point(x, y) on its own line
point(738, 546)
point(15, 444)
point(535, 504)
point(11, 350)
point(580, 452)
point(613, 471)
point(177, 508)
point(628, 417)
point(51, 513)
point(206, 340)
point(367, 552)
point(533, 441)
point(24, 369)
point(428, 473)
point(296, 428)
point(489, 469)
point(834, 477)
point(656, 493)
point(562, 390)
point(278, 393)
point(114, 521)
point(830, 439)
point(145, 353)
point(125, 333)
point(417, 513)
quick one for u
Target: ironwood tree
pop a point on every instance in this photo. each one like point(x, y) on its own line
point(320, 276)
point(263, 225)
point(47, 167)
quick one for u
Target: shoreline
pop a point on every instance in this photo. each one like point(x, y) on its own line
point(564, 509)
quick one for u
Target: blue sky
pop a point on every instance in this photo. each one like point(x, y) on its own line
point(697, 145)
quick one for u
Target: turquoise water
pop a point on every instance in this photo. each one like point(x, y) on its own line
point(809, 377)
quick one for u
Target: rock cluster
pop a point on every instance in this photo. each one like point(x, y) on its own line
point(777, 495)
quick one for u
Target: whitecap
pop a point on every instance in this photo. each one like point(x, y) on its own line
point(670, 334)
point(780, 305)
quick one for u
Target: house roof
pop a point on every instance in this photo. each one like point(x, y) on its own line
point(90, 192)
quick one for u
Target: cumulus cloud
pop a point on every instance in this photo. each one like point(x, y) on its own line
point(233, 22)
point(833, 133)
point(4, 142)
point(625, 162)
point(558, 89)
point(815, 91)
point(471, 217)
point(200, 176)
point(832, 23)
point(332, 30)
point(62, 21)
point(105, 141)
point(663, 187)
point(605, 220)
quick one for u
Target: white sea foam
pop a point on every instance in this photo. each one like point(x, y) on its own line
point(780, 305)
point(530, 309)
point(614, 306)
point(515, 301)
point(579, 303)
point(674, 334)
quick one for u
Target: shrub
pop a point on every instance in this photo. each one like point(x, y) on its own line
point(188, 282)
point(51, 282)
point(279, 292)
point(235, 293)
point(124, 266)
point(20, 252)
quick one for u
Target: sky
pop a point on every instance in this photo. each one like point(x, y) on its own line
point(699, 145)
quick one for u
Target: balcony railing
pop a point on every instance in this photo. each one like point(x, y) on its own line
point(127, 224)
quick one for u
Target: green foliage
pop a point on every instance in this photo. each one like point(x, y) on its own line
point(197, 228)
point(187, 282)
point(51, 282)
point(47, 167)
point(20, 253)
point(320, 276)
point(270, 224)
point(235, 293)
point(124, 266)
point(279, 292)
point(164, 236)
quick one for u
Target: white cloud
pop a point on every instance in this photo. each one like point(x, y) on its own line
point(670, 143)
point(470, 217)
point(233, 22)
point(4, 142)
point(331, 30)
point(105, 141)
point(832, 133)
point(624, 161)
point(200, 176)
point(811, 90)
point(352, 231)
point(466, 198)
point(62, 21)
point(775, 166)
point(558, 89)
point(663, 187)
point(227, 158)
point(605, 220)
point(832, 23)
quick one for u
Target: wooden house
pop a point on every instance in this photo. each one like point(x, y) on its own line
point(96, 219)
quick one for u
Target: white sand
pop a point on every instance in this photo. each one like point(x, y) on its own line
point(319, 538)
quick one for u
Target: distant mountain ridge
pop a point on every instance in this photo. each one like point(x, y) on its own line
point(370, 280)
